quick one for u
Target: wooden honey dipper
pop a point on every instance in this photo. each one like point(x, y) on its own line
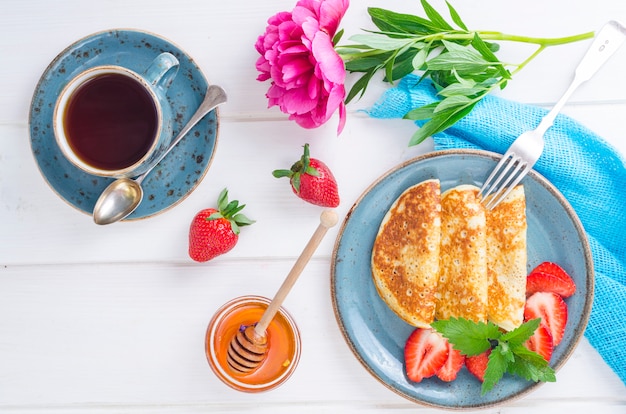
point(248, 347)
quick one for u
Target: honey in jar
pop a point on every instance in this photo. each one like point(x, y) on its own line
point(283, 351)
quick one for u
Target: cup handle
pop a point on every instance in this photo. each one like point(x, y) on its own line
point(162, 70)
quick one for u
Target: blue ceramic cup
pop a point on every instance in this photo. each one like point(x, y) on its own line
point(110, 121)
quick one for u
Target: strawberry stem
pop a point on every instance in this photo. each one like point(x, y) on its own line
point(230, 211)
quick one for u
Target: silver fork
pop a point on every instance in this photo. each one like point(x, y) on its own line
point(527, 148)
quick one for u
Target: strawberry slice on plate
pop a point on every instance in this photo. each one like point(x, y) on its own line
point(552, 310)
point(425, 352)
point(452, 366)
point(477, 364)
point(550, 277)
point(541, 342)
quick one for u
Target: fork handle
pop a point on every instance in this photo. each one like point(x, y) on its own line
point(604, 45)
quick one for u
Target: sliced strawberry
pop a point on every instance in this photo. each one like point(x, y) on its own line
point(425, 352)
point(541, 342)
point(552, 310)
point(547, 282)
point(566, 287)
point(477, 364)
point(452, 366)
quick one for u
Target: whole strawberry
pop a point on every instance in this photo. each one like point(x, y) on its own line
point(215, 231)
point(312, 181)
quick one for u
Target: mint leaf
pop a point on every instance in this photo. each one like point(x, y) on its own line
point(522, 333)
point(508, 352)
point(499, 359)
point(468, 337)
point(531, 366)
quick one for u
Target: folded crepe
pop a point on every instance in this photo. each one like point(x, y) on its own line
point(405, 255)
point(443, 255)
point(506, 260)
point(462, 287)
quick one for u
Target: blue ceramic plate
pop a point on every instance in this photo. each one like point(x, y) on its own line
point(181, 170)
point(377, 336)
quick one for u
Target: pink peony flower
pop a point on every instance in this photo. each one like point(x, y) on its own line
point(298, 55)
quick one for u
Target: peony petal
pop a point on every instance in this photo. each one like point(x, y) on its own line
point(296, 101)
point(331, 65)
point(304, 120)
point(289, 31)
point(310, 27)
point(295, 69)
point(262, 64)
point(342, 118)
point(293, 48)
point(279, 18)
point(330, 15)
point(304, 10)
point(335, 98)
point(315, 88)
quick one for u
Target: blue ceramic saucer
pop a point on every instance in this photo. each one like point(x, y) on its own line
point(181, 170)
point(377, 336)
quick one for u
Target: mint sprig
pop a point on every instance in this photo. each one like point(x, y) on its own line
point(508, 352)
point(460, 62)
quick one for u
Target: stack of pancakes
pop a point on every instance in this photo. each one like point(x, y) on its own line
point(443, 255)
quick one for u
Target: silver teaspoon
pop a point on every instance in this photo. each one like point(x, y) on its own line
point(124, 195)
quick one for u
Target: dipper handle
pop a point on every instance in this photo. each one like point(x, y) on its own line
point(328, 219)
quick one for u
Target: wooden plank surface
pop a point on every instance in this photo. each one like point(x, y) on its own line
point(112, 319)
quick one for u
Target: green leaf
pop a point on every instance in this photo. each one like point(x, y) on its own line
point(496, 367)
point(295, 182)
point(399, 64)
point(367, 63)
point(230, 208)
point(242, 220)
point(466, 88)
point(459, 58)
point(441, 78)
point(214, 216)
point(453, 102)
point(468, 337)
point(338, 36)
point(282, 173)
point(389, 21)
point(483, 49)
point(420, 59)
point(222, 200)
point(486, 52)
point(435, 17)
point(440, 122)
point(360, 85)
point(531, 366)
point(521, 334)
point(381, 42)
point(422, 113)
point(455, 16)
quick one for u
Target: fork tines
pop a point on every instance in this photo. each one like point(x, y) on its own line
point(504, 177)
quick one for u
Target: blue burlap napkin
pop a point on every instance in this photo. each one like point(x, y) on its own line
point(586, 169)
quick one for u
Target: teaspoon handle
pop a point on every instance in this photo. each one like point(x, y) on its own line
point(215, 96)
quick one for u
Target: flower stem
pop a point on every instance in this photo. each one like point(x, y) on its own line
point(543, 41)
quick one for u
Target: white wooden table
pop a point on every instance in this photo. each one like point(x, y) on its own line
point(112, 319)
